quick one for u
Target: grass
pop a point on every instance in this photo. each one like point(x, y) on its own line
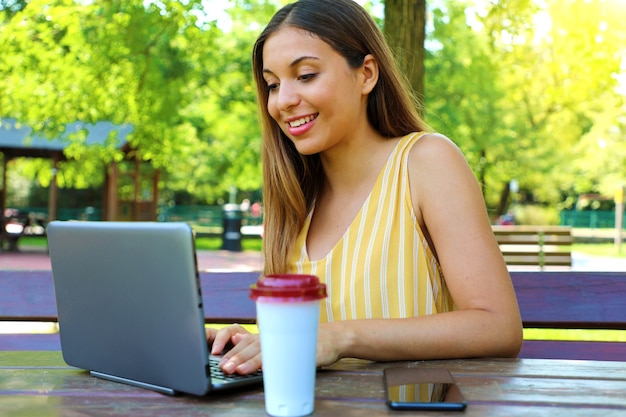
point(600, 249)
point(253, 244)
point(37, 242)
point(202, 243)
point(529, 334)
point(576, 335)
point(252, 328)
point(20, 327)
point(215, 243)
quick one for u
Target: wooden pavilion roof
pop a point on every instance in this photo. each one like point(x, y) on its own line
point(18, 140)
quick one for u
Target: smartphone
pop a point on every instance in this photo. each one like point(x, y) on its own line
point(422, 389)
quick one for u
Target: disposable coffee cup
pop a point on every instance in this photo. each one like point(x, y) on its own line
point(288, 311)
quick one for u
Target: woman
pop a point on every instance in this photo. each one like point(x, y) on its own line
point(357, 194)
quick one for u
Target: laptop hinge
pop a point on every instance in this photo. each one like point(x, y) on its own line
point(157, 388)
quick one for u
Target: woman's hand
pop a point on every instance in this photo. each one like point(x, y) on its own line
point(245, 355)
point(329, 340)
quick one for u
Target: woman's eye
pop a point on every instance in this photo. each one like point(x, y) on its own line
point(307, 77)
point(304, 77)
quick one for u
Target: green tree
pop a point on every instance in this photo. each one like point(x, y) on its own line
point(464, 97)
point(117, 61)
point(587, 44)
point(519, 87)
point(223, 112)
point(529, 90)
point(560, 83)
point(182, 83)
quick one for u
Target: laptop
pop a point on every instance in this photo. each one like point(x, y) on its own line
point(129, 305)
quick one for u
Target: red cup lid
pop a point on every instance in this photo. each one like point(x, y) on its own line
point(288, 287)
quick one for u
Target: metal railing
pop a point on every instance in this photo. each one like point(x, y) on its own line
point(592, 219)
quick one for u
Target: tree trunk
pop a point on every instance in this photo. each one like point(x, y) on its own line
point(505, 194)
point(405, 22)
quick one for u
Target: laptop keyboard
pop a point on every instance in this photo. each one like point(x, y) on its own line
point(218, 375)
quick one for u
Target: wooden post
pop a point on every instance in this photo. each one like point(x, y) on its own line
point(619, 216)
point(110, 196)
point(3, 190)
point(155, 193)
point(53, 193)
point(3, 198)
point(136, 215)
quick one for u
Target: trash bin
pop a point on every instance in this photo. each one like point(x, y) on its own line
point(231, 228)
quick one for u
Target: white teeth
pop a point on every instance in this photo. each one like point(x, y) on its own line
point(300, 122)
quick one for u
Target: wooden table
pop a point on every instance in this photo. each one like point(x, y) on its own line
point(40, 384)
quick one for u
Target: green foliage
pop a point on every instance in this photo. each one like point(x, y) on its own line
point(535, 215)
point(462, 99)
point(527, 92)
point(184, 85)
point(223, 114)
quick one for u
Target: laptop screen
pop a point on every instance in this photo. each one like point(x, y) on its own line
point(129, 302)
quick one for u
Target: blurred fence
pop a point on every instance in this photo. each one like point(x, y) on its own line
point(592, 219)
point(210, 218)
point(207, 216)
point(85, 213)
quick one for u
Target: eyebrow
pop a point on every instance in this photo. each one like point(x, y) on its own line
point(294, 63)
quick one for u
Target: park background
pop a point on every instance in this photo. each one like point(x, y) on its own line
point(532, 92)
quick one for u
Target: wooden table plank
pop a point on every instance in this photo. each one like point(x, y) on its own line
point(539, 368)
point(39, 383)
point(46, 406)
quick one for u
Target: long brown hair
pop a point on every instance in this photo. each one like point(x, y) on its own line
point(291, 180)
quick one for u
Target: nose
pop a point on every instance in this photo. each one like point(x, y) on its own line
point(287, 97)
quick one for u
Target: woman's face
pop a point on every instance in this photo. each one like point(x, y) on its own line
point(315, 97)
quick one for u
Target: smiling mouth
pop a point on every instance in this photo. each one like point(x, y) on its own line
point(303, 120)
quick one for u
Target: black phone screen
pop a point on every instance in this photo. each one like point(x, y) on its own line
point(440, 394)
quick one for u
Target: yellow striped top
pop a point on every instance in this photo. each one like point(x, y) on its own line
point(382, 267)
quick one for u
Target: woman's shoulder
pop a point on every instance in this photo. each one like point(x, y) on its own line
point(433, 139)
point(436, 161)
point(432, 147)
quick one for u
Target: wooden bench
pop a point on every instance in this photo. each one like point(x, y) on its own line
point(572, 300)
point(541, 246)
point(20, 224)
point(28, 296)
point(553, 300)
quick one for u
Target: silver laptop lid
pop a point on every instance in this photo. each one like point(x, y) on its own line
point(129, 303)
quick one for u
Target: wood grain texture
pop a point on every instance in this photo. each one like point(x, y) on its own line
point(38, 383)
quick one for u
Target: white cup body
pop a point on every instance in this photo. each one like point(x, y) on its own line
point(288, 332)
